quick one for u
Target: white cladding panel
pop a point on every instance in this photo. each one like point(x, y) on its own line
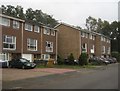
point(27, 56)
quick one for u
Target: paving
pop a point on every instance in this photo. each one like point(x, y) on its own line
point(10, 74)
point(105, 77)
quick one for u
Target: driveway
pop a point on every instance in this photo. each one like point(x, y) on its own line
point(10, 74)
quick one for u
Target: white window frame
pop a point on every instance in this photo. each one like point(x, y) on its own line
point(46, 31)
point(4, 56)
point(90, 36)
point(4, 21)
point(29, 44)
point(52, 32)
point(108, 50)
point(102, 38)
point(93, 49)
point(45, 56)
point(49, 48)
point(103, 49)
point(13, 42)
point(36, 29)
point(28, 27)
point(16, 24)
point(84, 47)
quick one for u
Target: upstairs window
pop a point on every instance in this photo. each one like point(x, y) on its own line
point(28, 27)
point(4, 21)
point(47, 31)
point(84, 47)
point(9, 42)
point(52, 32)
point(16, 24)
point(49, 46)
point(32, 44)
point(36, 29)
point(103, 49)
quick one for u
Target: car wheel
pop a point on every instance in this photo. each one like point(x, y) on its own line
point(10, 66)
point(23, 67)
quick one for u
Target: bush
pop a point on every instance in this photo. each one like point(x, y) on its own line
point(116, 55)
point(71, 59)
point(83, 59)
point(60, 60)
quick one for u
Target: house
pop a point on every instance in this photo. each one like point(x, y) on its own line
point(26, 39)
point(76, 41)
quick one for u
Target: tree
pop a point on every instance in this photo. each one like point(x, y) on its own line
point(91, 23)
point(19, 12)
point(71, 59)
point(29, 14)
point(83, 59)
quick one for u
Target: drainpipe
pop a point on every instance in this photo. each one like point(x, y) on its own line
point(56, 45)
point(22, 40)
point(41, 40)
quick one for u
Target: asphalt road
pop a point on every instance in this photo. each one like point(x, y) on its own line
point(97, 78)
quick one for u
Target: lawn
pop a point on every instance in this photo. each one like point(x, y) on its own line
point(67, 66)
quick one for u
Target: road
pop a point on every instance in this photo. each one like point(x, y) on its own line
point(98, 78)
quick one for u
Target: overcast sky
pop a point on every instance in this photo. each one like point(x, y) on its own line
point(73, 12)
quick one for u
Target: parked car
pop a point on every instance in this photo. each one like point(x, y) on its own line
point(3, 64)
point(104, 60)
point(98, 60)
point(21, 63)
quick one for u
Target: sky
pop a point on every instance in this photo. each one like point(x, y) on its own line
point(73, 12)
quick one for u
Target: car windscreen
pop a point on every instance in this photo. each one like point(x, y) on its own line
point(24, 60)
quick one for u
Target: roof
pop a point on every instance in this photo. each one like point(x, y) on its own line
point(6, 16)
point(83, 30)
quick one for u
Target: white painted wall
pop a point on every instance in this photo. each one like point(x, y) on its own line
point(27, 56)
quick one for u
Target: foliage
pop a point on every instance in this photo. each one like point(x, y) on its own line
point(116, 55)
point(83, 59)
point(30, 14)
point(71, 59)
point(60, 60)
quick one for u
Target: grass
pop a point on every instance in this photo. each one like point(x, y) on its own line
point(68, 66)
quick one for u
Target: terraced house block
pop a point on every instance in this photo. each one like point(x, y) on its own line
point(76, 41)
point(26, 39)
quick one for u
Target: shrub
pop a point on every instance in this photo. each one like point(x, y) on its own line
point(83, 59)
point(71, 59)
point(60, 60)
point(116, 55)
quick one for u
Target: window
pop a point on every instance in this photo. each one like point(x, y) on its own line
point(103, 49)
point(47, 31)
point(102, 38)
point(93, 49)
point(45, 56)
point(15, 24)
point(49, 46)
point(52, 32)
point(4, 21)
point(32, 44)
point(28, 27)
point(93, 37)
point(83, 34)
point(4, 56)
point(108, 50)
point(84, 47)
point(86, 35)
point(9, 42)
point(90, 36)
point(36, 29)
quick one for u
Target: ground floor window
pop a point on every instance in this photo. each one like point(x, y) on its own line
point(37, 56)
point(4, 56)
point(46, 56)
point(9, 42)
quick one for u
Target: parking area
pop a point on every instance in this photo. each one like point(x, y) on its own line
point(10, 74)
